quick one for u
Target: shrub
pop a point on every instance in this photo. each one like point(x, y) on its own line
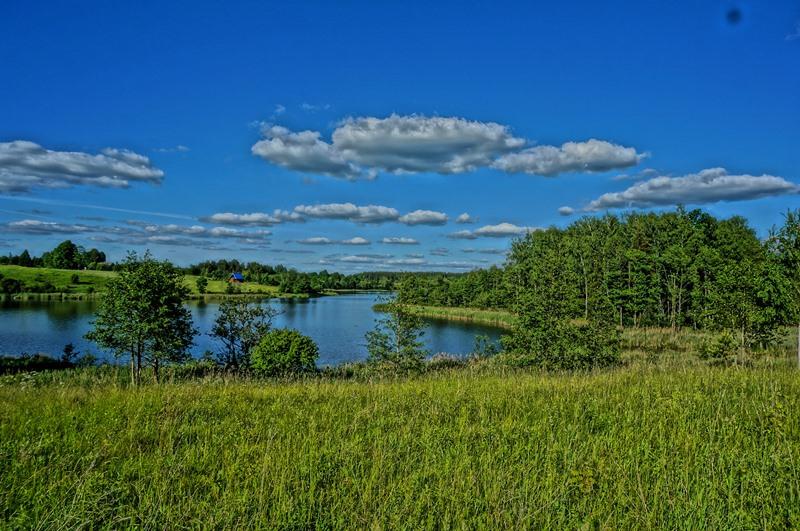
point(565, 345)
point(284, 351)
point(75, 279)
point(722, 348)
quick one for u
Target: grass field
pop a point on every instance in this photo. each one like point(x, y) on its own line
point(637, 447)
point(95, 282)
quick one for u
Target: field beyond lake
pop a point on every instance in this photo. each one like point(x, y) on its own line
point(638, 447)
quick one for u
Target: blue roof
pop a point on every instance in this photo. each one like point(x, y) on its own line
point(237, 276)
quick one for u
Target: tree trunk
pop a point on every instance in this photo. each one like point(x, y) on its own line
point(133, 367)
point(155, 369)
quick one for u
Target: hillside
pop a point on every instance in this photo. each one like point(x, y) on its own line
point(47, 280)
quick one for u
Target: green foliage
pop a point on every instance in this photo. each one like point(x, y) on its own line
point(722, 348)
point(202, 284)
point(676, 269)
point(484, 347)
point(239, 326)
point(75, 279)
point(142, 315)
point(284, 351)
point(395, 341)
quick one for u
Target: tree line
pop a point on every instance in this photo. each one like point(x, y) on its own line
point(683, 268)
point(65, 255)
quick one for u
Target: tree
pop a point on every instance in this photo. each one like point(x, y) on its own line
point(284, 351)
point(202, 284)
point(784, 244)
point(239, 326)
point(66, 255)
point(546, 332)
point(25, 259)
point(142, 315)
point(396, 339)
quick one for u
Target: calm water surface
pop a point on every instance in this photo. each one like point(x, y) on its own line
point(337, 324)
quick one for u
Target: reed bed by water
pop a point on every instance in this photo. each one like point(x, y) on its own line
point(636, 447)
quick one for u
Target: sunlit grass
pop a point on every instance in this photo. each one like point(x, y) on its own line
point(634, 447)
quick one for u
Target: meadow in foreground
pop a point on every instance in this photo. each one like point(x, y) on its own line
point(481, 447)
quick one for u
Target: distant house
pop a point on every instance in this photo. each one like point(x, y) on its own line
point(236, 278)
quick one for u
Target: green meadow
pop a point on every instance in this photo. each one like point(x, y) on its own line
point(663, 441)
point(94, 282)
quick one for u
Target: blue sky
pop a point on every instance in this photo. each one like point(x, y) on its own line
point(365, 121)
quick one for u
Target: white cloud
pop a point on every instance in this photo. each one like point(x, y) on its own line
point(361, 147)
point(316, 241)
point(566, 210)
point(399, 240)
point(304, 152)
point(403, 144)
point(25, 166)
point(501, 230)
point(349, 211)
point(590, 156)
point(254, 219)
point(440, 251)
point(176, 149)
point(465, 218)
point(462, 235)
point(707, 186)
point(424, 217)
point(358, 240)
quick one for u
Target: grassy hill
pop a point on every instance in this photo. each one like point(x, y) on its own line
point(632, 448)
point(95, 281)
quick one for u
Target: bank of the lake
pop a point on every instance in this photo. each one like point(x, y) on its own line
point(638, 447)
point(495, 318)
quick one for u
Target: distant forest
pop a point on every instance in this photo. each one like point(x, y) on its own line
point(683, 268)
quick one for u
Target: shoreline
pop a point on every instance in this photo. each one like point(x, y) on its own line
point(495, 318)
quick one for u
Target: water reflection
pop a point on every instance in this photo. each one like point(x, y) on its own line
point(337, 324)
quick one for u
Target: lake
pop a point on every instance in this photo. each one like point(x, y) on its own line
point(337, 324)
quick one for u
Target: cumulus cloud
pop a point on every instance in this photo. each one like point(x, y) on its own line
point(254, 219)
point(501, 230)
point(424, 217)
point(566, 210)
point(707, 186)
point(440, 251)
point(365, 146)
point(590, 156)
point(26, 165)
point(399, 240)
point(465, 218)
point(350, 212)
point(412, 144)
point(304, 152)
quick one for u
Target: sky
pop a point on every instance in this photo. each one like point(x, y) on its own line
point(354, 136)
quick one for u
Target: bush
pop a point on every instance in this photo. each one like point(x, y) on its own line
point(284, 351)
point(75, 279)
point(722, 348)
point(565, 346)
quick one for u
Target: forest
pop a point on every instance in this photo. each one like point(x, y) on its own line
point(682, 268)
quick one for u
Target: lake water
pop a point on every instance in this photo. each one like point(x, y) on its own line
point(337, 324)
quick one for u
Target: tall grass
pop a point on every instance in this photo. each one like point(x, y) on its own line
point(634, 447)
